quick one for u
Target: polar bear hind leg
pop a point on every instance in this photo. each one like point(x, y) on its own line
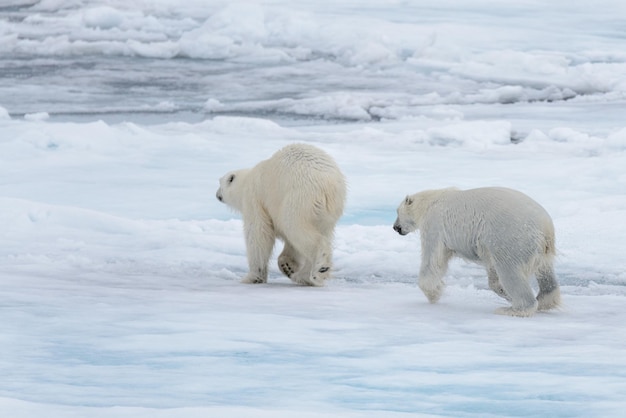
point(516, 285)
point(315, 252)
point(549, 296)
point(494, 283)
point(288, 260)
point(323, 261)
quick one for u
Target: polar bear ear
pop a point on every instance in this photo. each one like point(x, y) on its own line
point(408, 200)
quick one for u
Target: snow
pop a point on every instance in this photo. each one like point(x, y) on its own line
point(120, 270)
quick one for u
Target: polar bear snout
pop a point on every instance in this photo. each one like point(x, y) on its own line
point(398, 228)
point(219, 196)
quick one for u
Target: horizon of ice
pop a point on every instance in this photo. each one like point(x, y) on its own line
point(120, 270)
point(392, 63)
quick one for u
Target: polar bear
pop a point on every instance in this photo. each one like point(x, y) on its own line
point(502, 229)
point(297, 195)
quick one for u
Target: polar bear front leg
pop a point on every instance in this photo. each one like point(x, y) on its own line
point(433, 268)
point(260, 239)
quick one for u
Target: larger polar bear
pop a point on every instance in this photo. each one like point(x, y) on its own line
point(297, 195)
point(502, 229)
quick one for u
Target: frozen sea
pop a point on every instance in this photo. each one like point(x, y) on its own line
point(120, 272)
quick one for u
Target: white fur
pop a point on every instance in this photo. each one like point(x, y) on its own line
point(297, 195)
point(502, 229)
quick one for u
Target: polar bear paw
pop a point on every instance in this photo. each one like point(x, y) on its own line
point(319, 276)
point(549, 300)
point(510, 311)
point(432, 289)
point(253, 279)
point(311, 278)
point(287, 265)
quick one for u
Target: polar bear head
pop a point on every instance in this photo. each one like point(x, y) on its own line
point(231, 190)
point(414, 207)
point(405, 222)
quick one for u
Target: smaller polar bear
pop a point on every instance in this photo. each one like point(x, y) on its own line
point(297, 195)
point(502, 229)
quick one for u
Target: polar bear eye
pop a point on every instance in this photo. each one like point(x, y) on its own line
point(408, 200)
point(231, 178)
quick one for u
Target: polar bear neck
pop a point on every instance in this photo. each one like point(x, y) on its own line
point(425, 200)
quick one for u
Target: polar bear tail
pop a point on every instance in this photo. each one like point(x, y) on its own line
point(550, 246)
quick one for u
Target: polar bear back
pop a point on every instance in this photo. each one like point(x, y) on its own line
point(300, 181)
point(491, 222)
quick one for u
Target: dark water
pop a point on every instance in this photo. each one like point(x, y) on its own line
point(110, 87)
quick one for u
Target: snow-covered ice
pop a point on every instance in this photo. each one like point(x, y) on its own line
point(120, 270)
